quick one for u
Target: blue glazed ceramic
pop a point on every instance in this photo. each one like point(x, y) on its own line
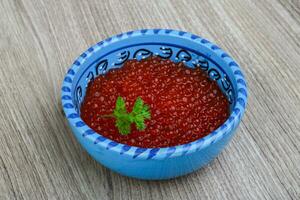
point(179, 46)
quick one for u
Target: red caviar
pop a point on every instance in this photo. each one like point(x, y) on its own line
point(185, 104)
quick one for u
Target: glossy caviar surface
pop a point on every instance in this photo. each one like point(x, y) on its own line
point(185, 104)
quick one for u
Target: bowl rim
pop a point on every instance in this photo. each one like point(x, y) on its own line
point(163, 152)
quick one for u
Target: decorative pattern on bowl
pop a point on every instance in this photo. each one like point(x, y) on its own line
point(178, 46)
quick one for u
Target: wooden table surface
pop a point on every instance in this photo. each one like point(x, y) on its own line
point(40, 158)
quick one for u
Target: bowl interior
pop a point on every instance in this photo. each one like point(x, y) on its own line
point(113, 52)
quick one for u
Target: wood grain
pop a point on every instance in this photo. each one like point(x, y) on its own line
point(40, 158)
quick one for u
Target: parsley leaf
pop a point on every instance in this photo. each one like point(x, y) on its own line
point(139, 114)
point(120, 109)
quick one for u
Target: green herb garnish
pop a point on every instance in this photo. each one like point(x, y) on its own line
point(139, 113)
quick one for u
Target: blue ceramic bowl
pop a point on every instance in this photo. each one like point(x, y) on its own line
point(179, 46)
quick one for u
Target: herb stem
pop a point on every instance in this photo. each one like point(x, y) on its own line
point(107, 116)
